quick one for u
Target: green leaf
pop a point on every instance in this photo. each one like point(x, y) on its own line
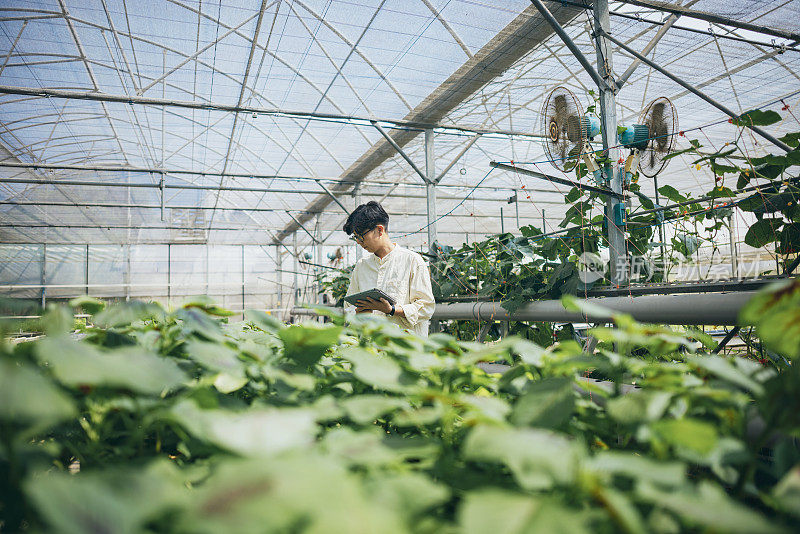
point(111, 501)
point(81, 365)
point(573, 195)
point(538, 459)
point(226, 383)
point(126, 313)
point(775, 311)
point(692, 434)
point(254, 432)
point(305, 344)
point(792, 139)
point(787, 492)
point(88, 304)
point(412, 493)
point(709, 506)
point(676, 153)
point(757, 117)
point(638, 467)
point(494, 511)
point(263, 320)
point(546, 403)
point(671, 193)
point(724, 369)
point(206, 304)
point(376, 370)
point(364, 409)
point(215, 357)
point(721, 192)
point(763, 232)
point(28, 398)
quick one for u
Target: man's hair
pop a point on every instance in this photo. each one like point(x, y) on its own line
point(366, 217)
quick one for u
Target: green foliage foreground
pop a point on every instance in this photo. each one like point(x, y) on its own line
point(176, 421)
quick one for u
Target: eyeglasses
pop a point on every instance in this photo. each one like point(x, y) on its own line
point(359, 238)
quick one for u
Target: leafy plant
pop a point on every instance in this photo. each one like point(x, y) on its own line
point(155, 420)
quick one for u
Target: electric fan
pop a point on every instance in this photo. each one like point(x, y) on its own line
point(561, 124)
point(651, 140)
point(567, 131)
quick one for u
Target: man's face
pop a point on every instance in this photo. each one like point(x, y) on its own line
point(371, 239)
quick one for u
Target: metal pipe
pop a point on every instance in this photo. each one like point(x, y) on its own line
point(208, 106)
point(780, 144)
point(687, 309)
point(430, 189)
point(570, 44)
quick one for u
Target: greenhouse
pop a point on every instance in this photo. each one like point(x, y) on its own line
point(420, 266)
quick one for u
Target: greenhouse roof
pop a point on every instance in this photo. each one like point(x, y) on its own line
point(225, 122)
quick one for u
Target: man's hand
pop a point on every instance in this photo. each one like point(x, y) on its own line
point(368, 304)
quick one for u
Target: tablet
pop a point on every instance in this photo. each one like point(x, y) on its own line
point(376, 294)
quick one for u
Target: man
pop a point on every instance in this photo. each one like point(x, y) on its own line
point(399, 272)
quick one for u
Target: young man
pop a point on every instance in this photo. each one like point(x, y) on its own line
point(399, 272)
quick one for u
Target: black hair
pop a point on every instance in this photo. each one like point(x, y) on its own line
point(366, 217)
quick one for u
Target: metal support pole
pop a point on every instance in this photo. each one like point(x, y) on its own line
point(243, 286)
point(318, 258)
point(126, 278)
point(208, 269)
point(161, 188)
point(86, 270)
point(169, 274)
point(734, 252)
point(544, 222)
point(295, 282)
point(430, 190)
point(279, 269)
point(502, 221)
point(661, 233)
point(516, 208)
point(611, 170)
point(43, 275)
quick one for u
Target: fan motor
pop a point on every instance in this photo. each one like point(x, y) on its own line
point(636, 136)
